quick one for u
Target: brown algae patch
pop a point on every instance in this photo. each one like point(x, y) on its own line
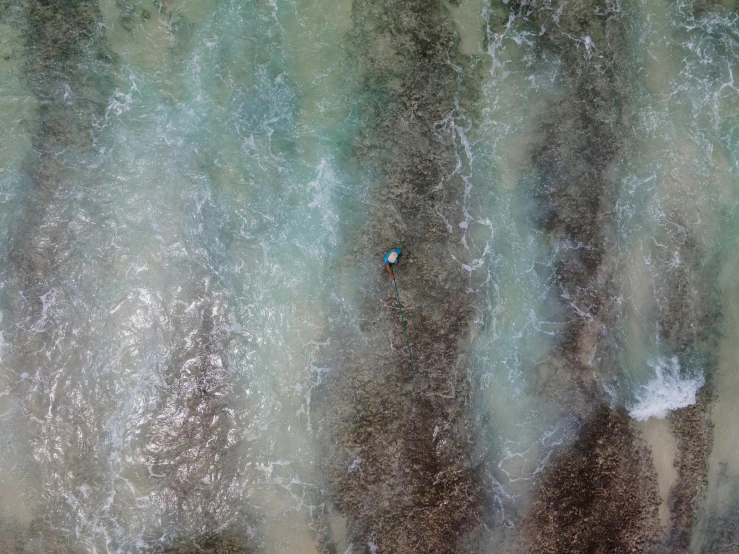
point(690, 320)
point(693, 430)
point(217, 543)
point(67, 66)
point(399, 444)
point(574, 157)
point(599, 495)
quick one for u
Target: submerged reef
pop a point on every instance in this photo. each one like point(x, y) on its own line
point(693, 431)
point(400, 442)
point(723, 537)
point(598, 495)
point(689, 322)
point(589, 499)
point(67, 67)
point(70, 69)
point(186, 443)
point(690, 325)
point(575, 151)
point(391, 459)
point(224, 542)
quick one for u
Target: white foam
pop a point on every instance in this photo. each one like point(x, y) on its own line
point(667, 391)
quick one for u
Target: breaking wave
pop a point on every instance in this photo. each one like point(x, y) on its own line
point(667, 391)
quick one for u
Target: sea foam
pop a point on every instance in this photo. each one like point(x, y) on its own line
point(666, 391)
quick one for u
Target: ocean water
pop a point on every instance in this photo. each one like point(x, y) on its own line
point(200, 349)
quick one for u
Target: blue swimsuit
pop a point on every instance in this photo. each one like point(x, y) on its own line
point(387, 261)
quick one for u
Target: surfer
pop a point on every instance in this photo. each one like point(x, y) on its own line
point(390, 258)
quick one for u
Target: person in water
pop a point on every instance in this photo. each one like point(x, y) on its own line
point(390, 258)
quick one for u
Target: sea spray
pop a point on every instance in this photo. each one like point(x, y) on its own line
point(668, 390)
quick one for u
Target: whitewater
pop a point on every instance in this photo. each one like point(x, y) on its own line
point(200, 347)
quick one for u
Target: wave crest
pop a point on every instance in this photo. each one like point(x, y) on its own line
point(667, 391)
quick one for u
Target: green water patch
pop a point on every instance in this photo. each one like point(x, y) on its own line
point(246, 225)
point(193, 231)
point(222, 194)
point(60, 60)
point(677, 195)
point(509, 269)
point(572, 140)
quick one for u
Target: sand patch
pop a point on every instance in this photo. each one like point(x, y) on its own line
point(661, 441)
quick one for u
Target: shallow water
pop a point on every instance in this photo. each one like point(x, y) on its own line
point(201, 350)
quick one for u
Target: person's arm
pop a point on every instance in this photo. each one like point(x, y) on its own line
point(390, 271)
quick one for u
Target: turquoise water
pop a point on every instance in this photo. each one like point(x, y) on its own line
point(200, 348)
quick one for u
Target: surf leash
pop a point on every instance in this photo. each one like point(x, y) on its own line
point(390, 259)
